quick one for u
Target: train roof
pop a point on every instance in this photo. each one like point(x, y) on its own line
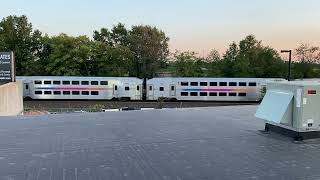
point(75, 77)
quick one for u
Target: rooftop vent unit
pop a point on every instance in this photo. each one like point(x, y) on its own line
point(292, 108)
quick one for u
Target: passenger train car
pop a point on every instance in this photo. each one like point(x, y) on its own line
point(126, 88)
point(107, 88)
point(207, 89)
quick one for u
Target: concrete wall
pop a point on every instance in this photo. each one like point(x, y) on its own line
point(11, 99)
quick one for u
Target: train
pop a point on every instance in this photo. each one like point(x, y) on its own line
point(135, 89)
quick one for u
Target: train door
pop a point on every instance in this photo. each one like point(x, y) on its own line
point(115, 91)
point(172, 90)
point(151, 92)
point(26, 89)
point(138, 92)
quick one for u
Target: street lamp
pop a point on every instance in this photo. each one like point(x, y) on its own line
point(289, 70)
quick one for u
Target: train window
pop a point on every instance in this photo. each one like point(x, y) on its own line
point(38, 92)
point(232, 83)
point(56, 82)
point(184, 93)
point(252, 84)
point(194, 94)
point(95, 93)
point(116, 88)
point(172, 88)
point(203, 94)
point(194, 83)
point(213, 84)
point(127, 88)
point(27, 86)
point(213, 94)
point(66, 92)
point(232, 94)
point(65, 82)
point(57, 92)
point(47, 92)
point(84, 82)
point(161, 89)
point(105, 83)
point(203, 84)
point(75, 92)
point(94, 83)
point(150, 88)
point(242, 94)
point(222, 94)
point(37, 82)
point(138, 88)
point(75, 82)
point(86, 93)
point(184, 84)
point(223, 83)
point(242, 84)
point(47, 82)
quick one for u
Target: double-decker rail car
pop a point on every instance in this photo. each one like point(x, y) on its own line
point(207, 89)
point(74, 88)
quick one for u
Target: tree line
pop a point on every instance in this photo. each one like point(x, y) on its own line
point(142, 51)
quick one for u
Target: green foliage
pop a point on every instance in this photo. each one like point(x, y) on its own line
point(142, 51)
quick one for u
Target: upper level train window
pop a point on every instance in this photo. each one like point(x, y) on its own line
point(223, 83)
point(242, 84)
point(37, 82)
point(252, 84)
point(161, 89)
point(104, 83)
point(56, 82)
point(193, 93)
point(203, 94)
point(94, 83)
point(85, 93)
point(203, 84)
point(213, 84)
point(66, 92)
point(38, 92)
point(56, 92)
point(242, 94)
point(232, 84)
point(184, 84)
point(47, 82)
point(75, 82)
point(213, 94)
point(184, 93)
point(194, 83)
point(48, 92)
point(75, 92)
point(127, 88)
point(232, 94)
point(222, 94)
point(95, 93)
point(84, 82)
point(65, 82)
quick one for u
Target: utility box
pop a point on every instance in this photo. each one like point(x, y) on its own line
point(292, 108)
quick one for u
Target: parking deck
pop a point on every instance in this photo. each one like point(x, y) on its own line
point(186, 144)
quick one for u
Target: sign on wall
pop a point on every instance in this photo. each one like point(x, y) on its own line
point(7, 67)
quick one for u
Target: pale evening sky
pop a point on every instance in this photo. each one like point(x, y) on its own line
point(196, 25)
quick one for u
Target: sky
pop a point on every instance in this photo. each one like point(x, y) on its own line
point(194, 25)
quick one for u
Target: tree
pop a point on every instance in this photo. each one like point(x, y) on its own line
point(150, 47)
point(307, 56)
point(17, 35)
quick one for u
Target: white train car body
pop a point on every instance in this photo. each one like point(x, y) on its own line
point(207, 89)
point(68, 87)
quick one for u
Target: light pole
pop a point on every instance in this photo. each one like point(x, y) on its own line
point(289, 70)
